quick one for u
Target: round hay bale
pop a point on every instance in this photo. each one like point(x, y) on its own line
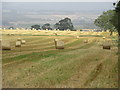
point(18, 44)
point(59, 44)
point(19, 39)
point(55, 34)
point(85, 41)
point(5, 45)
point(106, 45)
point(55, 40)
point(103, 37)
point(23, 41)
point(77, 37)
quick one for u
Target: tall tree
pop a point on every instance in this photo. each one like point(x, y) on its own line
point(64, 24)
point(116, 23)
point(104, 21)
point(116, 18)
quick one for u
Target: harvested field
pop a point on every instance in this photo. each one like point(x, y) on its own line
point(38, 64)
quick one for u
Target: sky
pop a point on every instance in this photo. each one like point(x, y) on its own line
point(69, 6)
point(59, 0)
point(24, 12)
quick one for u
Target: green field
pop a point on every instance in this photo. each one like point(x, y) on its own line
point(37, 64)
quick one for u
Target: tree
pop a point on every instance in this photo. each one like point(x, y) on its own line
point(46, 26)
point(64, 24)
point(116, 22)
point(116, 17)
point(104, 21)
point(37, 27)
point(11, 27)
point(57, 26)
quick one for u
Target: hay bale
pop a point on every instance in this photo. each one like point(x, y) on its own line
point(103, 37)
point(5, 45)
point(59, 44)
point(19, 39)
point(18, 44)
point(77, 37)
point(55, 34)
point(33, 29)
point(55, 40)
point(85, 41)
point(107, 31)
point(106, 45)
point(23, 41)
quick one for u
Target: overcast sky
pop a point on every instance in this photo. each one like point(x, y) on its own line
point(21, 11)
point(68, 6)
point(59, 0)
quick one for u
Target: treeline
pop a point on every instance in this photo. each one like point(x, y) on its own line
point(109, 20)
point(63, 24)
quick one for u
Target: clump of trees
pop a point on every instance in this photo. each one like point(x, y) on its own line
point(11, 27)
point(63, 24)
point(110, 20)
point(46, 26)
point(104, 21)
point(36, 26)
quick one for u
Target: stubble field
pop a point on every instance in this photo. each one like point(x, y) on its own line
point(37, 64)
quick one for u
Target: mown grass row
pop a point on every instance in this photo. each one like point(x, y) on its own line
point(77, 44)
point(35, 44)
